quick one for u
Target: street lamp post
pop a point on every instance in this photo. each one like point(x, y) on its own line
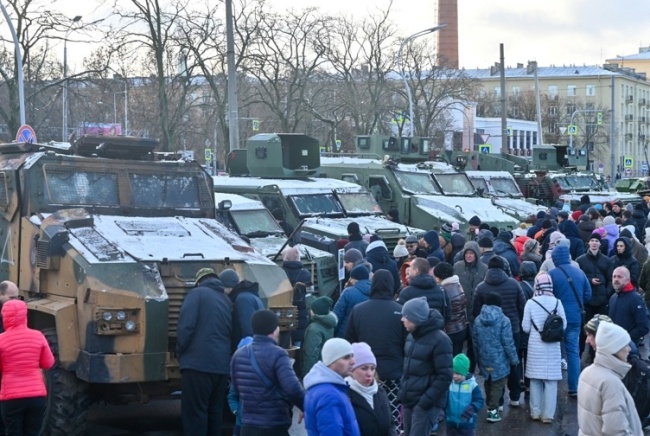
point(401, 67)
point(19, 63)
point(126, 103)
point(64, 133)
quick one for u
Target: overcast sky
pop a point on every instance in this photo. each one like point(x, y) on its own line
point(550, 31)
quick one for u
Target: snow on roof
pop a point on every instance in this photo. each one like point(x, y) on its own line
point(123, 239)
point(542, 72)
point(465, 208)
point(488, 174)
point(290, 186)
point(603, 197)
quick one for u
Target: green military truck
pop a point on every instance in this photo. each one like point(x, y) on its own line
point(279, 170)
point(104, 244)
point(427, 195)
point(249, 218)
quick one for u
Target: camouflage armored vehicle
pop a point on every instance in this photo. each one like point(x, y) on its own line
point(251, 219)
point(636, 185)
point(279, 169)
point(104, 245)
point(427, 195)
point(501, 187)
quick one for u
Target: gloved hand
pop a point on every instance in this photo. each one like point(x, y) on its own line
point(468, 413)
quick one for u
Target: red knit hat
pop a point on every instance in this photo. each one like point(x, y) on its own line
point(575, 216)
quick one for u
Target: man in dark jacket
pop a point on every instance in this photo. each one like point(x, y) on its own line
point(572, 302)
point(263, 377)
point(428, 363)
point(585, 203)
point(569, 229)
point(537, 226)
point(378, 323)
point(626, 307)
point(623, 257)
point(414, 248)
point(300, 279)
point(377, 256)
point(503, 247)
point(203, 347)
point(431, 240)
point(513, 303)
point(422, 284)
point(245, 297)
point(639, 218)
point(585, 228)
point(355, 238)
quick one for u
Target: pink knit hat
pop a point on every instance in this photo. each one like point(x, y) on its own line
point(363, 355)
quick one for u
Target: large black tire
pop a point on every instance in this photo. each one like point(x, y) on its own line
point(67, 397)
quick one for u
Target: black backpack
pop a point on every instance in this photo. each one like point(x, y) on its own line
point(637, 382)
point(553, 330)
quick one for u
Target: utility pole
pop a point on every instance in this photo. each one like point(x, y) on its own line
point(504, 107)
point(19, 63)
point(233, 104)
point(612, 133)
point(538, 107)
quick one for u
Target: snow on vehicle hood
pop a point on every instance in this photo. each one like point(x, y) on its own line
point(367, 224)
point(151, 239)
point(270, 245)
point(602, 196)
point(518, 208)
point(461, 209)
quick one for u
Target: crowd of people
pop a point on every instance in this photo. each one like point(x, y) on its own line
point(398, 351)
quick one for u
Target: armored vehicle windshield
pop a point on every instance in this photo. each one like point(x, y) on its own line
point(358, 203)
point(417, 183)
point(496, 184)
point(455, 184)
point(307, 205)
point(576, 182)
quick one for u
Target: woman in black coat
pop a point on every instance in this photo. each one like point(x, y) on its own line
point(369, 401)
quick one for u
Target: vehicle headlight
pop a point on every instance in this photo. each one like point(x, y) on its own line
point(107, 316)
point(129, 326)
point(121, 316)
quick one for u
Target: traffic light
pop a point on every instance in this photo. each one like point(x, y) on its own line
point(599, 118)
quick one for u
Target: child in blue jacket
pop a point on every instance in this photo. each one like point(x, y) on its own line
point(464, 400)
point(233, 396)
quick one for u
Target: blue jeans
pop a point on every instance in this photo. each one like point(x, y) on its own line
point(571, 338)
point(543, 398)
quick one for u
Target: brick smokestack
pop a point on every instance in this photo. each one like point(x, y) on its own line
point(448, 37)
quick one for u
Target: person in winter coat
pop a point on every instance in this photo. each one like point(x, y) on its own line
point(422, 284)
point(464, 400)
point(573, 303)
point(585, 203)
point(369, 401)
point(377, 256)
point(457, 243)
point(537, 226)
point(531, 253)
point(495, 351)
point(456, 327)
point(320, 330)
point(414, 248)
point(520, 240)
point(622, 256)
point(543, 358)
point(378, 323)
point(24, 354)
point(245, 299)
point(265, 408)
point(358, 293)
point(609, 224)
point(400, 254)
point(626, 307)
point(234, 403)
point(548, 264)
point(297, 273)
point(355, 238)
point(605, 407)
point(203, 347)
point(513, 302)
point(571, 232)
point(585, 228)
point(328, 410)
point(639, 217)
point(470, 271)
point(431, 242)
point(503, 247)
point(598, 268)
point(639, 252)
point(427, 367)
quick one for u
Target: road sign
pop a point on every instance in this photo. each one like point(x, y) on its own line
point(26, 134)
point(208, 155)
point(644, 166)
point(628, 162)
point(572, 129)
point(599, 118)
point(256, 125)
point(628, 171)
point(338, 144)
point(562, 130)
point(485, 148)
point(509, 131)
point(484, 137)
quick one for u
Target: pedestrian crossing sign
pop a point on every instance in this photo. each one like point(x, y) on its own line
point(628, 162)
point(485, 148)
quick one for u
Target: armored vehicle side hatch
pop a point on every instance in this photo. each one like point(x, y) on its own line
point(116, 147)
point(280, 155)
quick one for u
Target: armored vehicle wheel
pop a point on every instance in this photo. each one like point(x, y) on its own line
point(67, 397)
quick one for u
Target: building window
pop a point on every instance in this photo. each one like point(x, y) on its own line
point(552, 110)
point(516, 90)
point(552, 90)
point(497, 91)
point(570, 109)
point(589, 106)
point(590, 91)
point(571, 91)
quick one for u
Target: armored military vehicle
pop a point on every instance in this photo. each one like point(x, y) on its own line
point(500, 186)
point(104, 244)
point(427, 195)
point(637, 185)
point(278, 168)
point(251, 219)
